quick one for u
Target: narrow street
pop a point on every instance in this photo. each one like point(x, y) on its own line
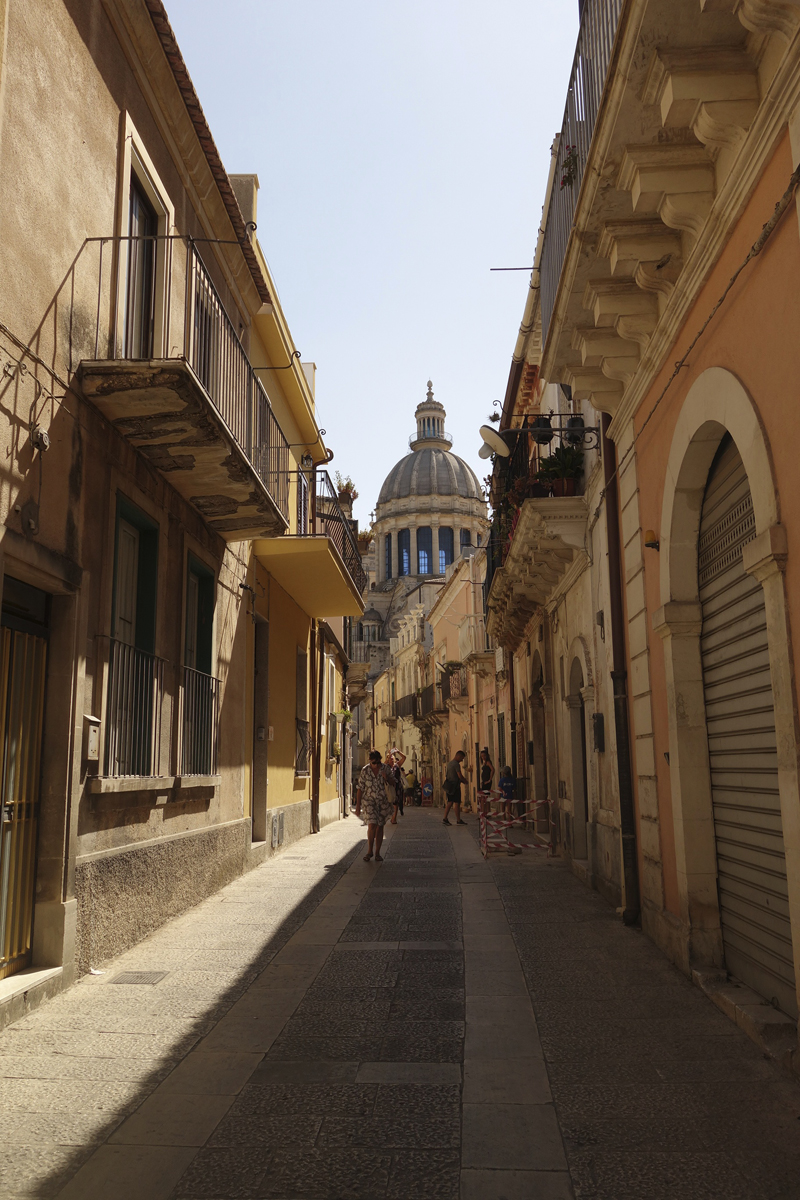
point(427, 1029)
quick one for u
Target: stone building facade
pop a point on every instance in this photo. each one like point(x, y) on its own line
point(173, 555)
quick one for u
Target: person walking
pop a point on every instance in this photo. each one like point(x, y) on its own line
point(394, 760)
point(374, 797)
point(452, 786)
point(409, 786)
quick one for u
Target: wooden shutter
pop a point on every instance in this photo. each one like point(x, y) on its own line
point(742, 747)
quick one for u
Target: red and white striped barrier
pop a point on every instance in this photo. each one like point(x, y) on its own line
point(494, 825)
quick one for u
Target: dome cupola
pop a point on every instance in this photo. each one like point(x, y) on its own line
point(431, 433)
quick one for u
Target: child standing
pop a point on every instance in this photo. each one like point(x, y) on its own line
point(506, 785)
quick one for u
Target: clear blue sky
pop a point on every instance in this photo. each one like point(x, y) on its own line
point(402, 150)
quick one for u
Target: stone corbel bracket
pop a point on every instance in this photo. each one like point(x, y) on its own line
point(548, 537)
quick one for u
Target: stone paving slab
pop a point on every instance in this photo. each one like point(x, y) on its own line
point(347, 1034)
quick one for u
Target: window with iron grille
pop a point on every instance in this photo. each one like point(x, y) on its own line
point(303, 737)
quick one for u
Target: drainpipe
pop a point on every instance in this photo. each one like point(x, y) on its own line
point(317, 640)
point(619, 676)
point(513, 724)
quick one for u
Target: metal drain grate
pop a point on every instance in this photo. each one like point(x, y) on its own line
point(145, 977)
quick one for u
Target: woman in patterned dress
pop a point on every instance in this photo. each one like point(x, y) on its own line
point(374, 799)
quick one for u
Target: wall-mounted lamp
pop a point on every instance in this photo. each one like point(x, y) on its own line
point(306, 462)
point(650, 540)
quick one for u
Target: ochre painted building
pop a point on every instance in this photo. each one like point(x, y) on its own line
point(178, 575)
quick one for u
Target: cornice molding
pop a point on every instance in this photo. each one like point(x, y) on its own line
point(758, 146)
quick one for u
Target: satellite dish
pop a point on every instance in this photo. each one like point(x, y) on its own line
point(496, 443)
point(485, 451)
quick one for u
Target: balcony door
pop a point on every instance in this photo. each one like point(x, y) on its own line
point(135, 675)
point(140, 292)
point(200, 689)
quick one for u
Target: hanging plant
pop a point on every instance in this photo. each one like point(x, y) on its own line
point(569, 167)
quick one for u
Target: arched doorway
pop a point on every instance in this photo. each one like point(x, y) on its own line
point(742, 744)
point(580, 788)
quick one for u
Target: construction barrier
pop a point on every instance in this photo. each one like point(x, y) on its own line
point(494, 825)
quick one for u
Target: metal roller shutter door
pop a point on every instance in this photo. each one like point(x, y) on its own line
point(740, 722)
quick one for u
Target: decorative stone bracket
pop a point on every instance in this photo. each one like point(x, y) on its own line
point(549, 535)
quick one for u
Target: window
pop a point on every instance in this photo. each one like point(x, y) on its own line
point(198, 645)
point(303, 741)
point(404, 552)
point(424, 550)
point(480, 542)
point(445, 549)
point(140, 298)
point(332, 723)
point(388, 571)
point(200, 689)
point(136, 568)
point(465, 539)
point(135, 676)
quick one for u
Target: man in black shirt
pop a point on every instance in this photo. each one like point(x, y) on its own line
point(452, 786)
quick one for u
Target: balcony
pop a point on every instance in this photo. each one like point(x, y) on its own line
point(199, 723)
point(319, 566)
point(170, 373)
point(547, 541)
point(133, 712)
point(432, 705)
point(302, 758)
point(458, 687)
point(160, 723)
point(596, 37)
point(405, 708)
point(472, 639)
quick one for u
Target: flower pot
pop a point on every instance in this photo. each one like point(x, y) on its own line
point(538, 491)
point(564, 487)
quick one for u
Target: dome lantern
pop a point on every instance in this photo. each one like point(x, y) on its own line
point(431, 432)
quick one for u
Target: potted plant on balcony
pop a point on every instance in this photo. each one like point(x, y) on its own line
point(561, 470)
point(345, 489)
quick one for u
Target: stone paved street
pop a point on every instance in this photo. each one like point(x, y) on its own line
point(433, 1027)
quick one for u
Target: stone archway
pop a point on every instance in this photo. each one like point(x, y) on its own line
point(717, 404)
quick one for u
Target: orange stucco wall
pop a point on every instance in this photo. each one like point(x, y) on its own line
point(755, 336)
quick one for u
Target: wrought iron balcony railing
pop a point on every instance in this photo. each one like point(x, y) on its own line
point(156, 300)
point(457, 684)
point(598, 30)
point(432, 700)
point(133, 712)
point(444, 436)
point(406, 707)
point(302, 757)
point(324, 518)
point(199, 723)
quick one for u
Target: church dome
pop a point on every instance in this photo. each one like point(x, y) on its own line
point(429, 472)
point(431, 469)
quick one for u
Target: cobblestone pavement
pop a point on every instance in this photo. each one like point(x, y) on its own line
point(327, 1028)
